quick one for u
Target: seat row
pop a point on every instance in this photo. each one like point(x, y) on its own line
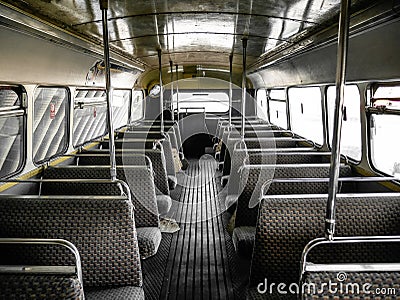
point(279, 194)
point(112, 224)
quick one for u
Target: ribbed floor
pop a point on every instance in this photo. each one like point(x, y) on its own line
point(197, 263)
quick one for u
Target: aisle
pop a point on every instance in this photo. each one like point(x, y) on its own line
point(197, 265)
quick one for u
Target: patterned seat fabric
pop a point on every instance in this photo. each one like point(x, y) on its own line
point(285, 226)
point(102, 229)
point(253, 179)
point(139, 179)
point(156, 157)
point(247, 207)
point(383, 281)
point(115, 293)
point(259, 158)
point(39, 286)
point(149, 240)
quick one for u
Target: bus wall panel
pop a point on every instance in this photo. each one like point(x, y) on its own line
point(373, 55)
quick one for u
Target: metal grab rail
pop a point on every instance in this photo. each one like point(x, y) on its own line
point(37, 241)
point(383, 267)
point(104, 10)
point(78, 155)
point(323, 179)
point(273, 166)
point(124, 187)
point(342, 50)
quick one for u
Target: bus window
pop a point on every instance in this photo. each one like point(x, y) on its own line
point(305, 113)
point(384, 126)
point(50, 123)
point(350, 144)
point(12, 129)
point(90, 116)
point(121, 101)
point(202, 101)
point(277, 108)
point(262, 105)
point(137, 108)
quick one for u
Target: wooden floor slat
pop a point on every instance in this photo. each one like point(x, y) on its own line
point(197, 263)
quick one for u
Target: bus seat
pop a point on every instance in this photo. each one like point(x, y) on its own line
point(101, 227)
point(247, 214)
point(287, 224)
point(141, 185)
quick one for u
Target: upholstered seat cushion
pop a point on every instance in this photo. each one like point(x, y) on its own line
point(164, 203)
point(37, 286)
point(149, 239)
point(115, 293)
point(243, 240)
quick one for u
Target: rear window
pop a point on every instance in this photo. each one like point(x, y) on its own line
point(306, 113)
point(12, 131)
point(50, 123)
point(202, 101)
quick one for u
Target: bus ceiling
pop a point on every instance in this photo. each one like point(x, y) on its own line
point(198, 35)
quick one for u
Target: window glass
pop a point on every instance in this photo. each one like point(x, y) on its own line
point(387, 97)
point(208, 101)
point(121, 102)
point(12, 127)
point(350, 143)
point(50, 125)
point(9, 99)
point(262, 105)
point(277, 94)
point(385, 145)
point(137, 107)
point(90, 112)
point(277, 113)
point(306, 114)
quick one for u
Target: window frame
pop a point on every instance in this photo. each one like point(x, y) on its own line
point(67, 124)
point(73, 116)
point(369, 111)
point(22, 94)
point(130, 121)
point(290, 122)
point(269, 98)
point(266, 112)
point(328, 137)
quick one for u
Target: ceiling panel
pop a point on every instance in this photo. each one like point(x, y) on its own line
point(189, 30)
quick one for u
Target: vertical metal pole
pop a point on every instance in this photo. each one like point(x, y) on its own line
point(172, 88)
point(104, 9)
point(244, 43)
point(161, 92)
point(177, 92)
point(343, 38)
point(230, 88)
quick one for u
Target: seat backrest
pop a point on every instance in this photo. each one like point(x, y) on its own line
point(287, 223)
point(139, 179)
point(156, 157)
point(288, 158)
point(19, 282)
point(253, 178)
point(101, 227)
